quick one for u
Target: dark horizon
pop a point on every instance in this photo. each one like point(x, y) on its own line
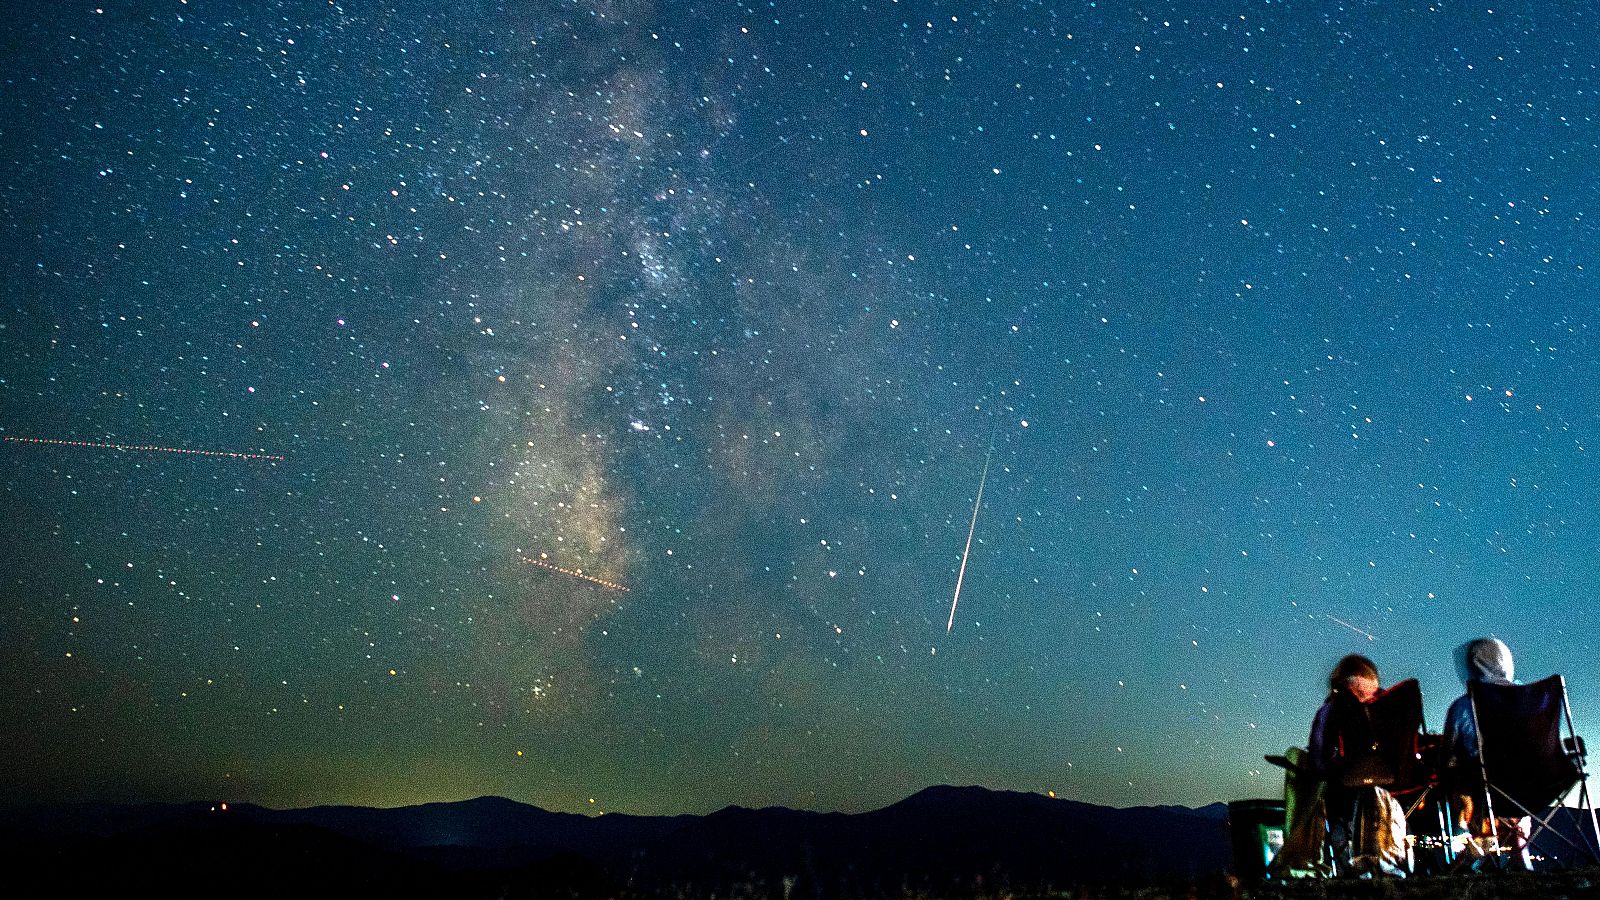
point(589, 813)
point(939, 840)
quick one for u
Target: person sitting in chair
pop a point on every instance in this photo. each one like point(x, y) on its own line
point(1366, 826)
point(1487, 661)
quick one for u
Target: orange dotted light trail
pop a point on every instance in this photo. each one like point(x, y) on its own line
point(574, 573)
point(145, 448)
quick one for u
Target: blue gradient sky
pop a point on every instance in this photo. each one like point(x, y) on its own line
point(1279, 315)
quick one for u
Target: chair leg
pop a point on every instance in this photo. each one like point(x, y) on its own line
point(1594, 822)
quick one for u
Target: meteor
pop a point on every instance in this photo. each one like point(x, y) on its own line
point(575, 573)
point(1366, 634)
point(971, 527)
point(143, 448)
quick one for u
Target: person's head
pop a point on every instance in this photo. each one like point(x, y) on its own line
point(1355, 675)
point(1486, 659)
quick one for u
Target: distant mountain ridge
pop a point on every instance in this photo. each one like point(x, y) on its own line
point(942, 840)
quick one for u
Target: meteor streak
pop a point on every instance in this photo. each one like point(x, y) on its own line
point(1366, 634)
point(575, 573)
point(144, 448)
point(971, 527)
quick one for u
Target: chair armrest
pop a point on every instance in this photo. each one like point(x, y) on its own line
point(1574, 746)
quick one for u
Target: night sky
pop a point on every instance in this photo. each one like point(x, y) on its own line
point(1278, 317)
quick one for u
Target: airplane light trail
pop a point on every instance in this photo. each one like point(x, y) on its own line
point(145, 448)
point(971, 527)
point(575, 573)
point(1366, 634)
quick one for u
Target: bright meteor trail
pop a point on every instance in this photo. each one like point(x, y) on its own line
point(1366, 634)
point(142, 448)
point(971, 527)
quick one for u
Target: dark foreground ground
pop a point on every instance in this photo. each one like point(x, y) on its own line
point(556, 881)
point(1563, 885)
point(943, 843)
point(1514, 886)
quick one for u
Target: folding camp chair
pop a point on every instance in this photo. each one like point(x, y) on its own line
point(1528, 768)
point(1412, 755)
point(1381, 745)
point(1377, 745)
point(1379, 742)
point(1305, 828)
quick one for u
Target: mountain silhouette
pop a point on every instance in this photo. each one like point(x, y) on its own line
point(945, 841)
point(942, 840)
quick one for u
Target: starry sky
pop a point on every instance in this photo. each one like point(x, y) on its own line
point(595, 395)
